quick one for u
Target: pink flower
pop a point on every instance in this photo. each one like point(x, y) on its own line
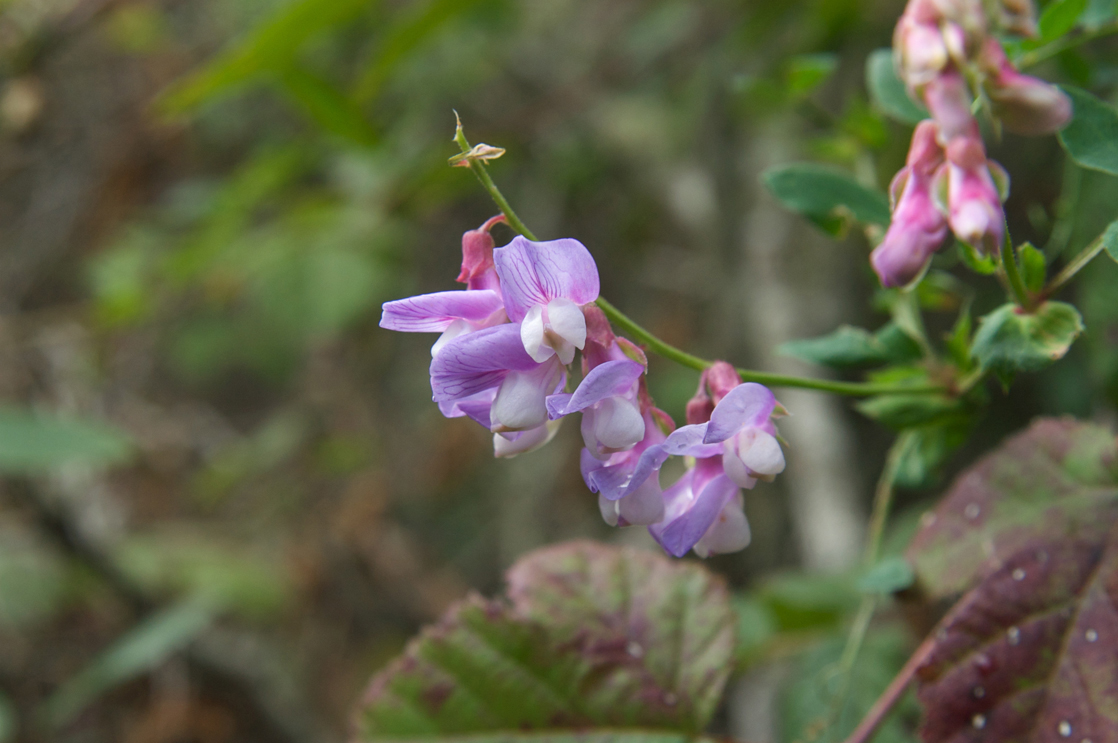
point(1025, 104)
point(918, 228)
point(974, 203)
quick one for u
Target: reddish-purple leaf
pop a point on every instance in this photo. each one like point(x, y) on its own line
point(1030, 654)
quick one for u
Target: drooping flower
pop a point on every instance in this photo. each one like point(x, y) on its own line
point(1023, 103)
point(620, 505)
point(544, 285)
point(918, 228)
point(734, 449)
point(974, 200)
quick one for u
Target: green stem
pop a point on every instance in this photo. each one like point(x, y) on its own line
point(490, 187)
point(1050, 50)
point(1016, 283)
point(668, 351)
point(882, 504)
point(1075, 266)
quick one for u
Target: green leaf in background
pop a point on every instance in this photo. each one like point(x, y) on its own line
point(1010, 341)
point(327, 106)
point(270, 47)
point(888, 576)
point(1092, 136)
point(143, 649)
point(905, 411)
point(582, 735)
point(1110, 240)
point(1055, 479)
point(34, 444)
point(806, 72)
point(9, 720)
point(33, 579)
point(828, 197)
point(850, 347)
point(1059, 17)
point(972, 259)
point(931, 446)
point(1033, 267)
point(819, 704)
point(888, 92)
point(1099, 12)
point(592, 635)
point(809, 601)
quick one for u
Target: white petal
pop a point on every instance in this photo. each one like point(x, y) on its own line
point(567, 321)
point(618, 423)
point(520, 402)
point(532, 334)
point(455, 329)
point(643, 506)
point(524, 441)
point(728, 533)
point(608, 509)
point(590, 436)
point(761, 454)
point(735, 468)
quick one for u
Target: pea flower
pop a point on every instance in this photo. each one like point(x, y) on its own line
point(734, 449)
point(1023, 103)
point(544, 285)
point(917, 229)
point(974, 198)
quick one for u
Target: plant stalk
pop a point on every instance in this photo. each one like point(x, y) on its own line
point(1074, 266)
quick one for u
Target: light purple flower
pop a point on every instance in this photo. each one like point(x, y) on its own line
point(452, 313)
point(544, 285)
point(622, 506)
point(742, 423)
point(495, 359)
point(917, 228)
point(607, 397)
point(693, 507)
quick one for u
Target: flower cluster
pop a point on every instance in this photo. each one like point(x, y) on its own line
point(947, 58)
point(502, 359)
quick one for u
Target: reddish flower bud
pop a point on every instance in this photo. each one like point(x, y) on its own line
point(1025, 104)
point(477, 257)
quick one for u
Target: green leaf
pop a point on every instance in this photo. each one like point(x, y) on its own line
point(931, 446)
point(327, 106)
point(1033, 267)
point(809, 601)
point(1059, 17)
point(806, 72)
point(9, 720)
point(592, 635)
point(1099, 12)
point(972, 259)
point(34, 444)
point(905, 411)
point(33, 579)
point(828, 197)
point(1110, 240)
point(756, 626)
point(820, 704)
point(1010, 340)
point(143, 649)
point(850, 347)
point(888, 576)
point(1091, 138)
point(887, 92)
point(271, 47)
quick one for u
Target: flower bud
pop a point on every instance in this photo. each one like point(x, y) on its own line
point(1025, 104)
point(974, 201)
point(949, 100)
point(478, 271)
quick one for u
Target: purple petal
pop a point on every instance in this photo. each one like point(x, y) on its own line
point(748, 404)
point(605, 380)
point(680, 534)
point(476, 407)
point(432, 313)
point(478, 361)
point(682, 442)
point(534, 273)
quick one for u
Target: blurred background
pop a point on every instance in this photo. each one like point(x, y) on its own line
point(227, 498)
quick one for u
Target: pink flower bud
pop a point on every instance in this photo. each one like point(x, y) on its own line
point(920, 51)
point(721, 378)
point(949, 100)
point(916, 232)
point(1017, 17)
point(1025, 104)
point(973, 199)
point(478, 271)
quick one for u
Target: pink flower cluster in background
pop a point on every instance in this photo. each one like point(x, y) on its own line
point(947, 58)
